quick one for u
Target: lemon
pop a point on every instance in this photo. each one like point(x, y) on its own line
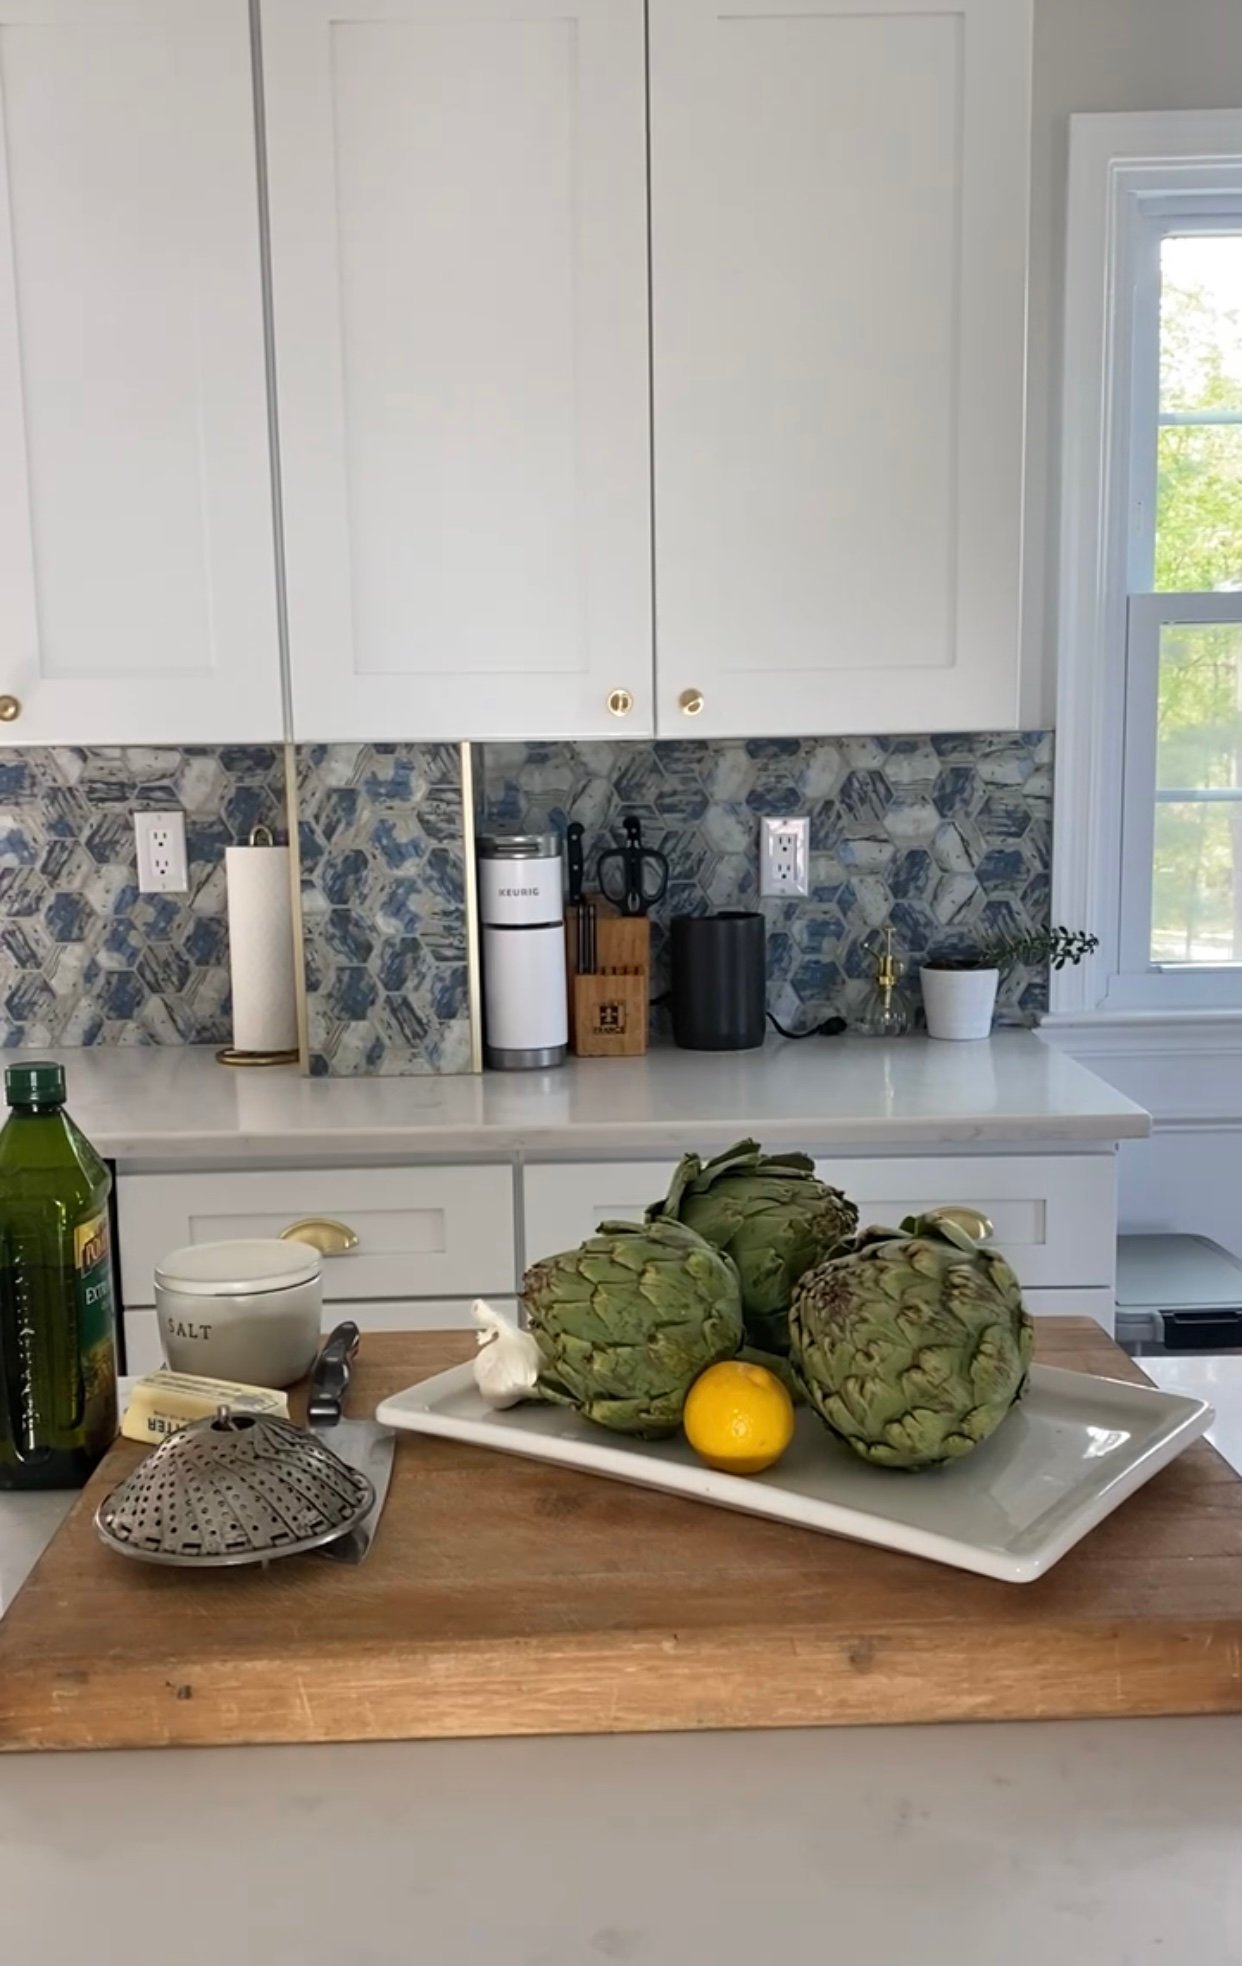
point(738, 1417)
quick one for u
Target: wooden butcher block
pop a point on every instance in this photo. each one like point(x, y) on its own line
point(504, 1596)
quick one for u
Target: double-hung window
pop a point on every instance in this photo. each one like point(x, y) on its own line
point(1149, 840)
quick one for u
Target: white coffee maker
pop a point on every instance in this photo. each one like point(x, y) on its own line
point(522, 918)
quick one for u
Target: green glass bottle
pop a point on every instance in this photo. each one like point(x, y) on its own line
point(57, 1337)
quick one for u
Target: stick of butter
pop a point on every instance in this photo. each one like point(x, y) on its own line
point(164, 1402)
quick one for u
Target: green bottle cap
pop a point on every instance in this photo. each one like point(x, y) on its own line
point(40, 1083)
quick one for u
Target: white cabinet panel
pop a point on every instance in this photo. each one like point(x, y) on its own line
point(1055, 1216)
point(458, 209)
point(137, 585)
point(1098, 1304)
point(838, 198)
point(422, 1231)
point(565, 1204)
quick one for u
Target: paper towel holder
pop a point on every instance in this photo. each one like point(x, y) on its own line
point(228, 1054)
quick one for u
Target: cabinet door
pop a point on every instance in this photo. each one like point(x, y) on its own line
point(421, 1231)
point(459, 263)
point(839, 223)
point(137, 584)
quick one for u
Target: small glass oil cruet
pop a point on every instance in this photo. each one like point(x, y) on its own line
point(885, 1013)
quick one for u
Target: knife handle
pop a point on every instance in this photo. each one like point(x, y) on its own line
point(574, 861)
point(329, 1378)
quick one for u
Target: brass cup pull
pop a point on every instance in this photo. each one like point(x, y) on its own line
point(690, 702)
point(10, 709)
point(976, 1224)
point(328, 1237)
point(620, 702)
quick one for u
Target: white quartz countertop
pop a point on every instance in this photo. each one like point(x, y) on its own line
point(1104, 1843)
point(152, 1106)
point(1099, 1843)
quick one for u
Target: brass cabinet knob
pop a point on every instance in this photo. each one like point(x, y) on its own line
point(976, 1224)
point(620, 702)
point(10, 709)
point(690, 702)
point(328, 1237)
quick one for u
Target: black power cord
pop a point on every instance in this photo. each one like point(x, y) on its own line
point(832, 1027)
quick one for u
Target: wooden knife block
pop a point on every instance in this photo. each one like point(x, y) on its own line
point(609, 1011)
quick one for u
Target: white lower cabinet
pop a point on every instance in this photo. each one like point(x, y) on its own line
point(431, 1239)
point(423, 1232)
point(1054, 1216)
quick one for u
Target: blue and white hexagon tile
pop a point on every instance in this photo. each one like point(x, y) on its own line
point(947, 836)
point(84, 957)
point(384, 908)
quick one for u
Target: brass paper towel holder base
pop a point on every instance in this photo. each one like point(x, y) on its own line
point(228, 1056)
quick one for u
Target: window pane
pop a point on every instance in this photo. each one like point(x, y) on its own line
point(1199, 508)
point(1196, 911)
point(1197, 886)
point(1199, 465)
point(1201, 322)
point(1199, 719)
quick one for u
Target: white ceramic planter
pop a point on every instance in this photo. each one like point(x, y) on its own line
point(959, 1002)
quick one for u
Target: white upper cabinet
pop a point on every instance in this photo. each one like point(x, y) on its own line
point(839, 229)
point(137, 589)
point(459, 265)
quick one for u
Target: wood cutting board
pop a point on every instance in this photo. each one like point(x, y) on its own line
point(508, 1597)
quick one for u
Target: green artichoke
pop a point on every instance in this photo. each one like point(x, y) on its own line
point(626, 1323)
point(772, 1216)
point(913, 1345)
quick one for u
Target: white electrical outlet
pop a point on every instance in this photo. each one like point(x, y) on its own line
point(785, 856)
point(161, 852)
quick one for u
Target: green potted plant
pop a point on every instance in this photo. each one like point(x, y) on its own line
point(959, 989)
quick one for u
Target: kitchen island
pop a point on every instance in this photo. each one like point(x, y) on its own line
point(1094, 1843)
point(1104, 1843)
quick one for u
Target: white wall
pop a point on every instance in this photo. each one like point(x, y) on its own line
point(1188, 1175)
point(1093, 54)
point(1118, 55)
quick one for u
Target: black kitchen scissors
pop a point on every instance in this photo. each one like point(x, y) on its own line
point(633, 876)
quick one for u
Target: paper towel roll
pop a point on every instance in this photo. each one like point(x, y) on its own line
point(261, 952)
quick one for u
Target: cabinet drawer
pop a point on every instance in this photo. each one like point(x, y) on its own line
point(142, 1336)
point(422, 1231)
point(1054, 1216)
point(564, 1205)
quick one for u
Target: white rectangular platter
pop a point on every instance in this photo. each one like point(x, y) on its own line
point(1065, 1458)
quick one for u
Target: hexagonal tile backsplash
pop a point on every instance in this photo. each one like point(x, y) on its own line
point(84, 957)
point(947, 836)
point(384, 908)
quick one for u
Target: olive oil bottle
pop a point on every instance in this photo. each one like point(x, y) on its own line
point(57, 1341)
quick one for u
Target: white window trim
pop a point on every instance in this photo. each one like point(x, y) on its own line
point(1121, 166)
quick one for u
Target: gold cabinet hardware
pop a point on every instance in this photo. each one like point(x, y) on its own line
point(620, 702)
point(10, 709)
point(976, 1224)
point(328, 1237)
point(690, 702)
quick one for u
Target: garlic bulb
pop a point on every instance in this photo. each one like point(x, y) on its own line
point(507, 1367)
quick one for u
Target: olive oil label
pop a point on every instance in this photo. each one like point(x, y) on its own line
point(92, 1263)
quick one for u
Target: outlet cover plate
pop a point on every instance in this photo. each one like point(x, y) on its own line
point(785, 856)
point(160, 838)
